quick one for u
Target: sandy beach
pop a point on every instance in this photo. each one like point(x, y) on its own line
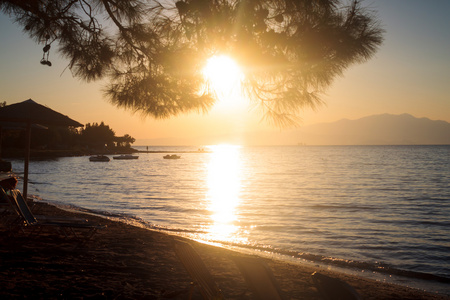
point(127, 262)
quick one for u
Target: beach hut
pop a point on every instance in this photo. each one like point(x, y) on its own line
point(29, 112)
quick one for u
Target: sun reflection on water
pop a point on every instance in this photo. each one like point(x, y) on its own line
point(224, 183)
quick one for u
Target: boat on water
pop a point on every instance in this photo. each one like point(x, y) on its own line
point(126, 156)
point(99, 158)
point(171, 156)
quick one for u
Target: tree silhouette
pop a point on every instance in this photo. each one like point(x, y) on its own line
point(98, 135)
point(153, 52)
point(125, 141)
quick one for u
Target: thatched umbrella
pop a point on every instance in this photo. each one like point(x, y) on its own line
point(30, 112)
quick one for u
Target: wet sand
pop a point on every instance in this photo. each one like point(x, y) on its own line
point(127, 262)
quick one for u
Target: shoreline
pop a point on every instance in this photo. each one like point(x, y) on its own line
point(8, 154)
point(129, 262)
point(378, 272)
point(19, 153)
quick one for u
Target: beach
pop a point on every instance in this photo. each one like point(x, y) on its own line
point(122, 261)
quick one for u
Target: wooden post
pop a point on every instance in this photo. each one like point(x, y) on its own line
point(27, 160)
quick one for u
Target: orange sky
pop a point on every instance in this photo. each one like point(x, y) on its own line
point(409, 74)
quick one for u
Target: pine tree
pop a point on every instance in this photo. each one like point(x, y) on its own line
point(153, 52)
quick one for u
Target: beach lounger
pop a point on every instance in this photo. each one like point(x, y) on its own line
point(64, 226)
point(197, 270)
point(10, 206)
point(8, 211)
point(333, 289)
point(259, 278)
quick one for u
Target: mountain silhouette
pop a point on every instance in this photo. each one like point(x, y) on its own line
point(385, 129)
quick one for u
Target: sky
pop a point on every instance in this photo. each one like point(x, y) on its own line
point(410, 73)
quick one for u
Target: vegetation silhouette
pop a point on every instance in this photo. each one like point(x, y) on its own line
point(93, 138)
point(153, 51)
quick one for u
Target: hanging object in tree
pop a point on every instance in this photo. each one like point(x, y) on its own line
point(46, 49)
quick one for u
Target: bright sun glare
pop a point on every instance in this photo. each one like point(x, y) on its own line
point(224, 77)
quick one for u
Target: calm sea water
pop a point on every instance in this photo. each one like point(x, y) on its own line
point(370, 209)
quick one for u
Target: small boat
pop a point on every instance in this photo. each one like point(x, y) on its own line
point(171, 156)
point(126, 156)
point(99, 158)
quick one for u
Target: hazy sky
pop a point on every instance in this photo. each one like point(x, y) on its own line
point(409, 74)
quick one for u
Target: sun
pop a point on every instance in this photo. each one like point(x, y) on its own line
point(224, 77)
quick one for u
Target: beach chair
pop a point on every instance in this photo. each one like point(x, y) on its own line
point(67, 227)
point(197, 270)
point(333, 288)
point(259, 278)
point(9, 213)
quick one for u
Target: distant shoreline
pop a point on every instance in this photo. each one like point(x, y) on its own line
point(10, 153)
point(34, 153)
point(175, 151)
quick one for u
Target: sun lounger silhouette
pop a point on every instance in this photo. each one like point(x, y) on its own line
point(259, 278)
point(67, 227)
point(197, 270)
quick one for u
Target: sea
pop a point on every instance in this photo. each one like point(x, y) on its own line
point(381, 212)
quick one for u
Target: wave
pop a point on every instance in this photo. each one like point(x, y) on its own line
point(119, 217)
point(344, 207)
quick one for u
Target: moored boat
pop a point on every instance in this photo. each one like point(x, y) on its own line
point(99, 158)
point(126, 156)
point(171, 156)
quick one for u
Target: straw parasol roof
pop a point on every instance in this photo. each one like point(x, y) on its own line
point(31, 112)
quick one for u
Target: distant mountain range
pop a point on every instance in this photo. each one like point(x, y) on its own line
point(384, 129)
